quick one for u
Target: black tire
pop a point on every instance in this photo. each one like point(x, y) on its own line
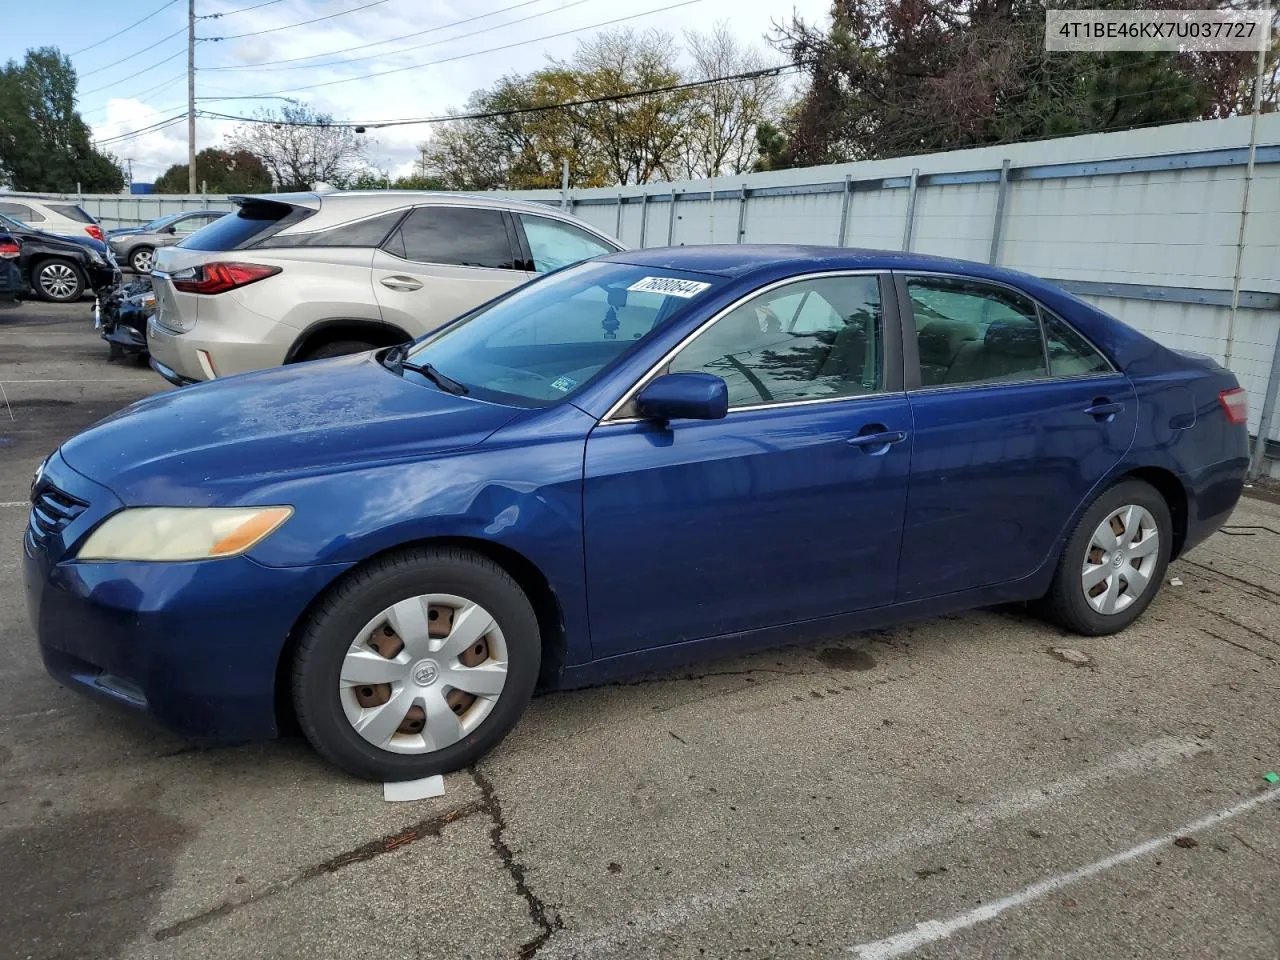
point(1066, 602)
point(358, 598)
point(70, 285)
point(337, 348)
point(136, 255)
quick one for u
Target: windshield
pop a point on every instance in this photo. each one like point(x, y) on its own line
point(160, 223)
point(549, 338)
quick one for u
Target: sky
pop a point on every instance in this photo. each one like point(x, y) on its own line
point(138, 78)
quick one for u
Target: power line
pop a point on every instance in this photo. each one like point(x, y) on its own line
point(435, 43)
point(232, 13)
point(158, 63)
point(477, 53)
point(301, 23)
point(406, 36)
point(165, 6)
point(151, 128)
point(147, 49)
point(488, 114)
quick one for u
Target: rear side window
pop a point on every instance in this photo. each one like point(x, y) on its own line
point(22, 212)
point(555, 244)
point(361, 233)
point(456, 236)
point(72, 212)
point(238, 230)
point(973, 332)
point(1070, 355)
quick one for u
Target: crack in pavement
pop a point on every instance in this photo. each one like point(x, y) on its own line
point(541, 915)
point(430, 827)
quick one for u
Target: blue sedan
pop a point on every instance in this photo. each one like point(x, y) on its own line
point(633, 462)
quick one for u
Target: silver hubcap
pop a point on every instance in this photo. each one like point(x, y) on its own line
point(142, 261)
point(424, 673)
point(58, 280)
point(1121, 559)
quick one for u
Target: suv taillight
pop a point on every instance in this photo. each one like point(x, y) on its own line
point(220, 277)
point(94, 231)
point(9, 249)
point(1236, 403)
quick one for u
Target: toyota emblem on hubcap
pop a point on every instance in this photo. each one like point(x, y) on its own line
point(426, 672)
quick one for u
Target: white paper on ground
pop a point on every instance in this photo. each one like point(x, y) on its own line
point(414, 789)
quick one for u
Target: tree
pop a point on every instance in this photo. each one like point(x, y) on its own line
point(301, 147)
point(44, 143)
point(893, 77)
point(374, 179)
point(221, 172)
point(721, 133)
point(773, 152)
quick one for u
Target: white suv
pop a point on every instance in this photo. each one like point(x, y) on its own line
point(293, 277)
point(61, 217)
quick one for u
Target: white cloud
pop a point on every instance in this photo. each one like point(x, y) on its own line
point(425, 91)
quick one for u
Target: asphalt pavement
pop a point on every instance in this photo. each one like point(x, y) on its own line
point(976, 785)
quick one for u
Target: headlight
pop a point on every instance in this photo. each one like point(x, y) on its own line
point(181, 533)
point(95, 257)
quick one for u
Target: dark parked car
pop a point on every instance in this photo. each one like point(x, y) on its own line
point(643, 459)
point(61, 269)
point(10, 276)
point(122, 313)
point(136, 246)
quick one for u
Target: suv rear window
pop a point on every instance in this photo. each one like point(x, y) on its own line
point(238, 230)
point(71, 211)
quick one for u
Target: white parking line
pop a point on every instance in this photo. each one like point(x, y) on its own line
point(930, 931)
point(6, 401)
point(15, 503)
point(764, 886)
point(86, 380)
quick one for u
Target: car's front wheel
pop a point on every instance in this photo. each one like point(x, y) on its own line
point(418, 663)
point(59, 281)
point(142, 259)
point(1114, 561)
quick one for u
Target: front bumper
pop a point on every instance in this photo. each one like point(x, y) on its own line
point(195, 645)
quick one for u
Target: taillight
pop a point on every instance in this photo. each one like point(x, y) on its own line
point(1236, 404)
point(9, 249)
point(94, 231)
point(220, 277)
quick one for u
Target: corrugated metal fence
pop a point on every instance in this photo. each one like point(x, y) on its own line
point(1146, 224)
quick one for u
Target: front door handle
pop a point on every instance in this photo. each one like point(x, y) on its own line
point(1104, 409)
point(883, 438)
point(402, 283)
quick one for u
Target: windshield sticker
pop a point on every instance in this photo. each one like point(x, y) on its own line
point(564, 384)
point(670, 286)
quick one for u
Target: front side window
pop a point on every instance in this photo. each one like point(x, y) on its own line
point(547, 339)
point(808, 340)
point(191, 224)
point(455, 236)
point(973, 332)
point(554, 244)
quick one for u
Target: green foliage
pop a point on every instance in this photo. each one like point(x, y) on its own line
point(44, 144)
point(221, 172)
point(380, 180)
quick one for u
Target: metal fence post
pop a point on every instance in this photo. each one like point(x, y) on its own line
point(911, 208)
point(998, 226)
point(1268, 410)
point(617, 226)
point(671, 220)
point(742, 214)
point(644, 216)
point(844, 208)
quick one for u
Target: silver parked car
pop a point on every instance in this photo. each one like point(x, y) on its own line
point(301, 276)
point(136, 246)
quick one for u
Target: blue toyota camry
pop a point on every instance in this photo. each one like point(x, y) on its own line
point(643, 459)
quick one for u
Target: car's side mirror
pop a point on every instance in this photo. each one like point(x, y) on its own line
point(684, 396)
point(171, 229)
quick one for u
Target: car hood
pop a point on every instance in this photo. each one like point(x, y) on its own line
point(123, 232)
point(217, 441)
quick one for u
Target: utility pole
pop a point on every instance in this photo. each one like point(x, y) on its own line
point(191, 96)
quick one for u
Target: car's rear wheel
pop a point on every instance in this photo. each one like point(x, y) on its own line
point(419, 663)
point(337, 348)
point(1114, 561)
point(142, 259)
point(58, 280)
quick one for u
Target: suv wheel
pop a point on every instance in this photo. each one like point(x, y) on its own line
point(141, 259)
point(59, 280)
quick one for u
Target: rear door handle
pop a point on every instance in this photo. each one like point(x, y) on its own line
point(1104, 409)
point(881, 439)
point(402, 283)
